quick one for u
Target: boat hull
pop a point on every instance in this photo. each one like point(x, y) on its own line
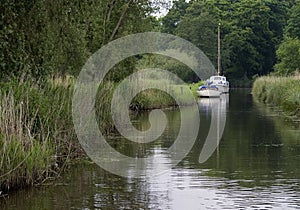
point(208, 93)
point(223, 88)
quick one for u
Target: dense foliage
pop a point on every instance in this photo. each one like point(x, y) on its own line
point(251, 32)
point(40, 39)
point(289, 51)
point(283, 92)
point(54, 38)
point(36, 132)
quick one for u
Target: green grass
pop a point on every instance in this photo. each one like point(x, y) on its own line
point(145, 100)
point(194, 87)
point(153, 98)
point(37, 137)
point(36, 133)
point(280, 91)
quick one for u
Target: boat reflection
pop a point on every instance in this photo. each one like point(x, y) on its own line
point(215, 109)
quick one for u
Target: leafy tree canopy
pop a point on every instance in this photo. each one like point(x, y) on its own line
point(289, 57)
point(42, 38)
point(251, 31)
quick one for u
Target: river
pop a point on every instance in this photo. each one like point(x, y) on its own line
point(255, 165)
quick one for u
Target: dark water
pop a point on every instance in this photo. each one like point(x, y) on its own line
point(255, 166)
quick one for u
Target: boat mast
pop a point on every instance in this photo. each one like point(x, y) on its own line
point(219, 50)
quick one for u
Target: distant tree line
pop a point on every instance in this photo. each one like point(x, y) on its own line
point(54, 38)
point(258, 37)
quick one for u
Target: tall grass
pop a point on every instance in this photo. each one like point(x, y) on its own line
point(280, 91)
point(144, 100)
point(36, 132)
point(37, 138)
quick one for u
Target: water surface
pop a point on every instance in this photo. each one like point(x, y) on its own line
point(255, 166)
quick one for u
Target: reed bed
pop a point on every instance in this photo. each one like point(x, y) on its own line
point(37, 138)
point(36, 133)
point(145, 100)
point(280, 91)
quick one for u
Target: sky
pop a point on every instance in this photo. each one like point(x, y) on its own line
point(164, 11)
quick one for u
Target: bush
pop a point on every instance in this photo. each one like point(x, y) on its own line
point(36, 132)
point(280, 91)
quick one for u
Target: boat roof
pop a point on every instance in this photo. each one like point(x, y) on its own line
point(219, 77)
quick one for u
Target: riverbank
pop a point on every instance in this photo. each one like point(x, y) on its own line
point(145, 100)
point(265, 165)
point(153, 99)
point(283, 92)
point(37, 138)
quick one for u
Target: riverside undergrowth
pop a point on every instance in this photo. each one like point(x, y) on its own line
point(36, 133)
point(283, 92)
point(37, 138)
point(145, 100)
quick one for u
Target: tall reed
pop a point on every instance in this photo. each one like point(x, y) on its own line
point(280, 91)
point(37, 136)
point(145, 100)
point(36, 132)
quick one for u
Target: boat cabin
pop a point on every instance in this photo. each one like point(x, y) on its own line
point(218, 80)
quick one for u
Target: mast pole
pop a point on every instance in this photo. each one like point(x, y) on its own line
point(219, 50)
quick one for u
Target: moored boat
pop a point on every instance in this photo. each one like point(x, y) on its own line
point(217, 84)
point(208, 91)
point(220, 82)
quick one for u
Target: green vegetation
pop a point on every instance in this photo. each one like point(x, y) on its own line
point(36, 132)
point(284, 91)
point(145, 100)
point(250, 32)
point(280, 91)
point(288, 53)
point(153, 98)
point(44, 39)
point(41, 39)
point(44, 45)
point(36, 129)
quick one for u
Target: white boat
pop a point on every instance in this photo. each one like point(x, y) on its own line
point(215, 85)
point(208, 91)
point(220, 82)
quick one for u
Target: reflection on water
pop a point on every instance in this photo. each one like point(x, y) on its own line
point(255, 166)
point(216, 109)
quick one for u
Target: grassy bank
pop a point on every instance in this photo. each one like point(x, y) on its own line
point(152, 99)
point(283, 92)
point(145, 100)
point(36, 133)
point(37, 138)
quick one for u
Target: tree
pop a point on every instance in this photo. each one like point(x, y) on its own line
point(12, 39)
point(288, 53)
point(171, 20)
point(289, 57)
point(201, 31)
point(293, 24)
point(42, 38)
point(251, 32)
